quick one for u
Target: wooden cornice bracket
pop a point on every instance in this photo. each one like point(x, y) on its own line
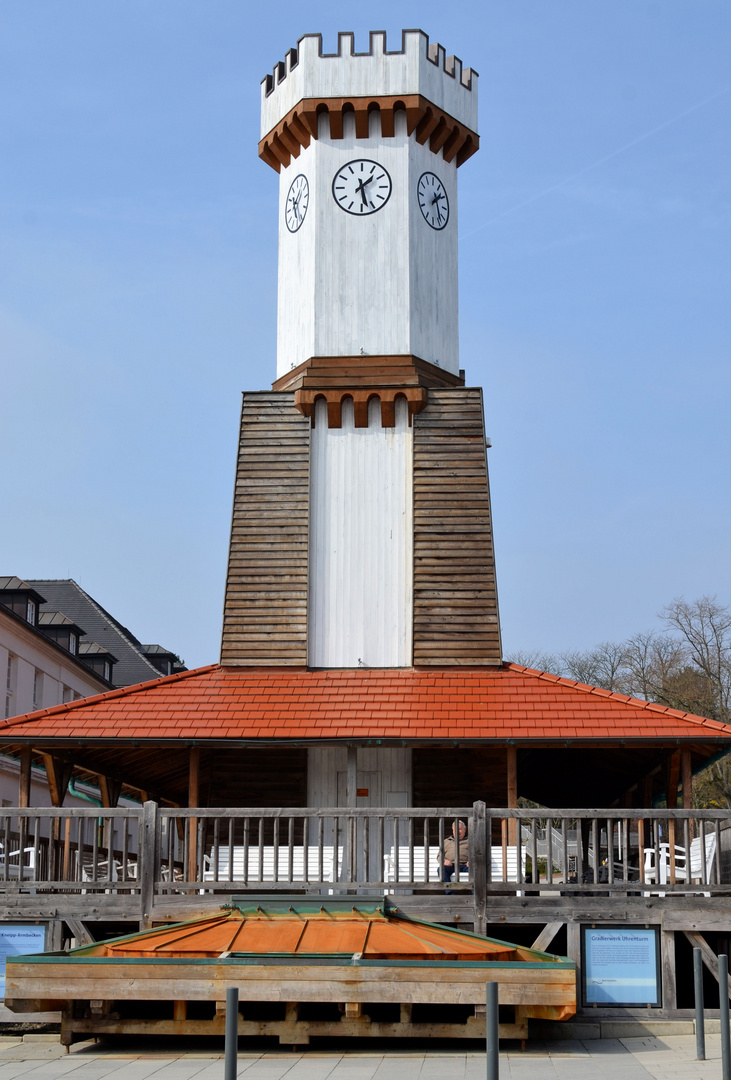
point(416, 398)
point(431, 123)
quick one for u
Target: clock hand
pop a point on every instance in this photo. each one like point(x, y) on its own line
point(360, 190)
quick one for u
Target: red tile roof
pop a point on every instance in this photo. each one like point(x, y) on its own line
point(502, 703)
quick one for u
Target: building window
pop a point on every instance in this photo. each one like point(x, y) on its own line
point(107, 671)
point(72, 644)
point(37, 689)
point(30, 612)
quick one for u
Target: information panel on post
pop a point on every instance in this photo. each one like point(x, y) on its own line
point(621, 966)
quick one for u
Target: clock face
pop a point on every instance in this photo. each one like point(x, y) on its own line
point(433, 200)
point(298, 198)
point(361, 187)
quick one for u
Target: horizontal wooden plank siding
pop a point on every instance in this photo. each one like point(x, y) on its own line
point(455, 591)
point(265, 609)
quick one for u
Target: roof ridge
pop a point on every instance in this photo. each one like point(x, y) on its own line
point(625, 699)
point(120, 691)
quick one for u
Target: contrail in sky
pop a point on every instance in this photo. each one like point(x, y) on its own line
point(599, 161)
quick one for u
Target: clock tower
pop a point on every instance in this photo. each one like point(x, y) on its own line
point(367, 146)
point(361, 533)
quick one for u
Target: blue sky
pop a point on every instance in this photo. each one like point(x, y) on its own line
point(138, 237)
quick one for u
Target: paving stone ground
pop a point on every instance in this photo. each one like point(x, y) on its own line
point(649, 1058)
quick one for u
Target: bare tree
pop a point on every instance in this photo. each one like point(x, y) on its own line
point(535, 659)
point(705, 628)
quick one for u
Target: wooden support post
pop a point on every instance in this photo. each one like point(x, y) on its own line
point(573, 951)
point(686, 779)
point(708, 956)
point(672, 775)
point(512, 780)
point(351, 800)
point(147, 862)
point(180, 1010)
point(667, 961)
point(546, 936)
point(479, 848)
point(110, 790)
point(58, 773)
point(351, 777)
point(26, 755)
point(193, 796)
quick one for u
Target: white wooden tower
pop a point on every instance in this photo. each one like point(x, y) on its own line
point(361, 533)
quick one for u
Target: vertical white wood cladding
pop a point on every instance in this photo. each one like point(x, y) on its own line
point(384, 284)
point(385, 771)
point(361, 594)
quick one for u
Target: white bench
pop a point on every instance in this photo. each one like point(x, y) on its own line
point(219, 871)
point(658, 873)
point(20, 865)
point(496, 862)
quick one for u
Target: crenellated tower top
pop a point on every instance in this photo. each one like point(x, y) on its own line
point(438, 95)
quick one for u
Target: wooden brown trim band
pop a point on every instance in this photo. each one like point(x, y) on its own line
point(306, 401)
point(295, 130)
point(359, 372)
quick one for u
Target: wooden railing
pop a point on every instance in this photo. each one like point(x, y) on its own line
point(151, 852)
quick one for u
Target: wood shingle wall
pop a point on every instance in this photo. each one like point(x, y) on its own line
point(455, 591)
point(265, 609)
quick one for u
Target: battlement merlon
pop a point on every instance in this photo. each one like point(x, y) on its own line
point(417, 68)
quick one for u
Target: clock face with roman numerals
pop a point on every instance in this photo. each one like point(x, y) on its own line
point(361, 187)
point(433, 200)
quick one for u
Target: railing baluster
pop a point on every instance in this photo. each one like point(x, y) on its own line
point(549, 851)
point(504, 853)
point(396, 873)
point(306, 846)
point(186, 849)
point(425, 847)
point(36, 848)
point(411, 848)
point(6, 849)
point(702, 836)
point(200, 847)
point(247, 829)
point(595, 849)
point(216, 846)
point(367, 849)
point(125, 847)
point(717, 861)
point(261, 849)
point(564, 851)
point(535, 873)
point(276, 849)
point(320, 844)
point(610, 850)
point(380, 853)
point(290, 844)
point(625, 849)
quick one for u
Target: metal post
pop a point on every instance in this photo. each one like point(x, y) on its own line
point(491, 1033)
point(725, 1031)
point(232, 1033)
point(700, 1031)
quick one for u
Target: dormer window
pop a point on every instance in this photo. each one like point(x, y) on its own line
point(107, 671)
point(73, 644)
point(31, 612)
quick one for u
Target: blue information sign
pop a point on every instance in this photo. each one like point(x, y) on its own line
point(17, 939)
point(621, 965)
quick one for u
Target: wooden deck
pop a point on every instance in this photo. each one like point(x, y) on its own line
point(84, 870)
